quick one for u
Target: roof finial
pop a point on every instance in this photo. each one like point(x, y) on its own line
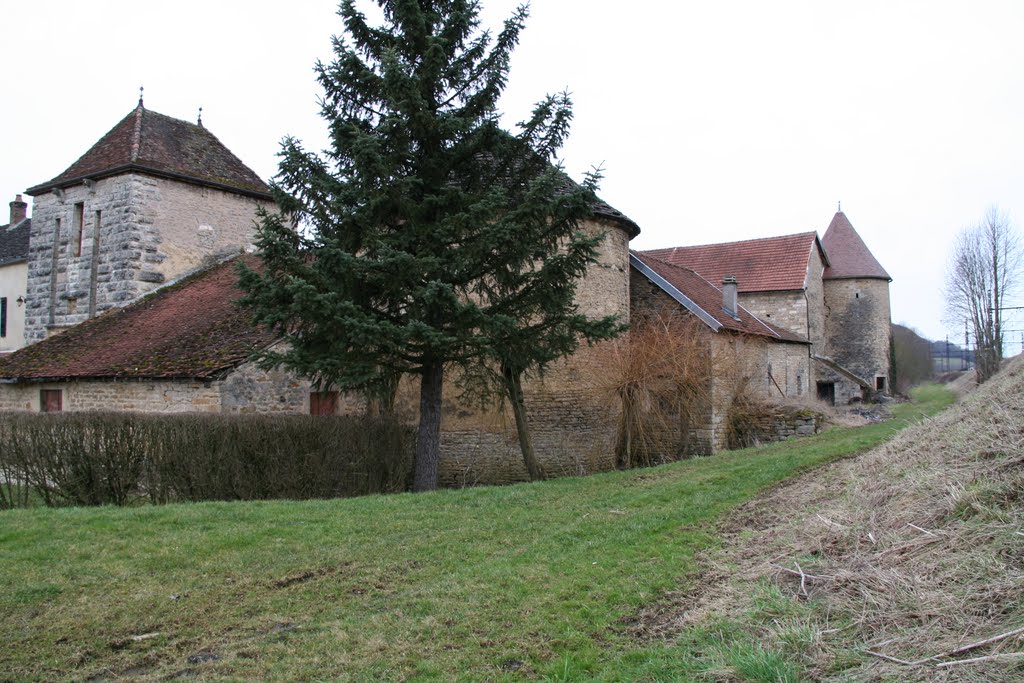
point(200, 121)
point(140, 95)
point(840, 209)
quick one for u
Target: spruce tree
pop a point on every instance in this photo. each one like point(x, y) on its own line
point(426, 235)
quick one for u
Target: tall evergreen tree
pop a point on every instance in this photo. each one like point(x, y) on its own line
point(426, 233)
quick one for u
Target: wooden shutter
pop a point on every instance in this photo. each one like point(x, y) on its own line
point(51, 401)
point(323, 402)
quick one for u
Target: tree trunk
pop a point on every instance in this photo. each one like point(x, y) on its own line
point(514, 388)
point(428, 436)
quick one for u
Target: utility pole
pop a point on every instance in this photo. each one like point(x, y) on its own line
point(967, 347)
point(947, 353)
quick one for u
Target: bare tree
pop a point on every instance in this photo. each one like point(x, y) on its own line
point(984, 269)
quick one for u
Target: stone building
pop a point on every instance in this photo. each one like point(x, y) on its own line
point(14, 277)
point(155, 198)
point(740, 346)
point(831, 292)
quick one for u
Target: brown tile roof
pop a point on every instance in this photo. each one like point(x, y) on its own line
point(848, 256)
point(769, 264)
point(187, 330)
point(705, 299)
point(148, 142)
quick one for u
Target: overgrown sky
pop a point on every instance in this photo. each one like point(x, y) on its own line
point(714, 121)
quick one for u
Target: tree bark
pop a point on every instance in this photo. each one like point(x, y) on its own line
point(428, 436)
point(514, 388)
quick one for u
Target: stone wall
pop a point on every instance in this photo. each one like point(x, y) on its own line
point(106, 243)
point(858, 329)
point(787, 310)
point(781, 423)
point(604, 290)
point(13, 279)
point(573, 417)
point(147, 396)
point(815, 295)
point(573, 421)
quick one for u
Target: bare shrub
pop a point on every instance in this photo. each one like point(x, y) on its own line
point(661, 372)
point(122, 458)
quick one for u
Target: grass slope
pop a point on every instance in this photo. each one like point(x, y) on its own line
point(528, 581)
point(905, 564)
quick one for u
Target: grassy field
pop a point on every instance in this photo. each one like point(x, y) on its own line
point(536, 581)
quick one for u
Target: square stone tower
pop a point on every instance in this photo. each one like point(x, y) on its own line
point(155, 198)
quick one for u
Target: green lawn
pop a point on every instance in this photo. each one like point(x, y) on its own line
point(528, 581)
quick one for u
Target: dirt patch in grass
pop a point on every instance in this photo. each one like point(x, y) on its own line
point(310, 575)
point(904, 563)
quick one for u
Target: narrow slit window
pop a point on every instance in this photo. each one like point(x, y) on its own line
point(78, 228)
point(3, 316)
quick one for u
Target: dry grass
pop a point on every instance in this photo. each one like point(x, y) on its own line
point(900, 564)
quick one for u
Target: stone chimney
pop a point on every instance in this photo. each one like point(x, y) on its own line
point(18, 211)
point(729, 286)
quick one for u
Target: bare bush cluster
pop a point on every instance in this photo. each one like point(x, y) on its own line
point(661, 372)
point(124, 458)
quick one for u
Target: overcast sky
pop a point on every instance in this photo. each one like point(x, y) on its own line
point(713, 121)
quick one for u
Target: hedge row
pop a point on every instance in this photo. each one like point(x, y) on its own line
point(125, 458)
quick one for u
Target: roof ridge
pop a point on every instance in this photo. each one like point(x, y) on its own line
point(137, 132)
point(752, 239)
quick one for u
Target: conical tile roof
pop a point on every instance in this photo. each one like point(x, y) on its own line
point(154, 144)
point(848, 256)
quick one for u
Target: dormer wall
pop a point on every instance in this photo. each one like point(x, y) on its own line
point(105, 243)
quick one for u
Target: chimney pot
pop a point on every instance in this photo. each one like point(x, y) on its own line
point(18, 210)
point(729, 287)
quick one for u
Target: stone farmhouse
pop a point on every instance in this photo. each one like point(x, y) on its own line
point(131, 283)
point(14, 277)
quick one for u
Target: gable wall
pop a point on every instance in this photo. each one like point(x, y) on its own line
point(787, 310)
point(13, 281)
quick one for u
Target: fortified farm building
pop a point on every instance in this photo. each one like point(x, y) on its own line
point(131, 283)
point(832, 292)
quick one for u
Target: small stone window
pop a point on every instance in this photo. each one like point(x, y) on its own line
point(77, 228)
point(323, 402)
point(51, 401)
point(879, 383)
point(799, 385)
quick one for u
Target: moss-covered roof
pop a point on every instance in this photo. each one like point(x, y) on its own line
point(191, 329)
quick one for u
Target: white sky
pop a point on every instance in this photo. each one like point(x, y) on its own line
point(714, 121)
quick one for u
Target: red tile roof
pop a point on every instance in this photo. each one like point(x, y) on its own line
point(187, 330)
point(769, 264)
point(708, 299)
point(848, 255)
point(148, 142)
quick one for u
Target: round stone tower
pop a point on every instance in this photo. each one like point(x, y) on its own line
point(857, 317)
